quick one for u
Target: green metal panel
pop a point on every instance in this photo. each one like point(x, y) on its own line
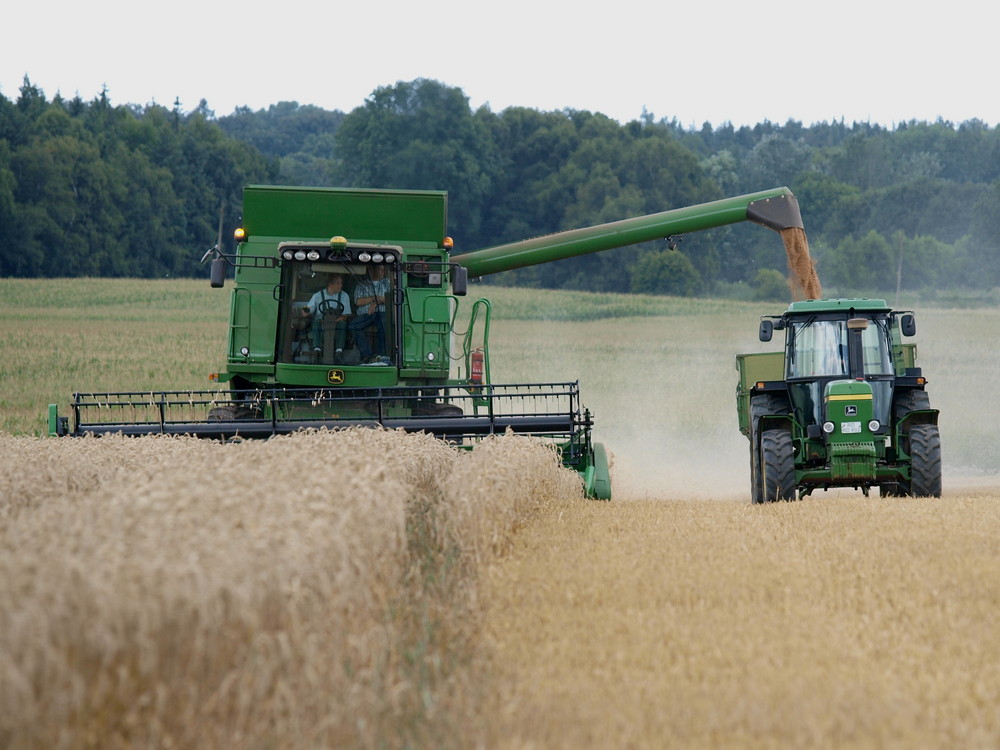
point(754, 368)
point(762, 366)
point(389, 216)
point(838, 305)
point(848, 405)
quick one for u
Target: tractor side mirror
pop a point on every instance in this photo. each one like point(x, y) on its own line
point(908, 325)
point(766, 330)
point(459, 280)
point(218, 274)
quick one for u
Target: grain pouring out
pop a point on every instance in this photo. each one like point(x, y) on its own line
point(803, 279)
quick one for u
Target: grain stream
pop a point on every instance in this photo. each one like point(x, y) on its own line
point(803, 279)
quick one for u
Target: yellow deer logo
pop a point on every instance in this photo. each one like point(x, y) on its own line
point(336, 377)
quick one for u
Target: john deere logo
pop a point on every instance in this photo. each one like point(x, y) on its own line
point(336, 377)
point(850, 411)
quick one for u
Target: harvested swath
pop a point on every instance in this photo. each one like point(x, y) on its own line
point(803, 279)
point(175, 592)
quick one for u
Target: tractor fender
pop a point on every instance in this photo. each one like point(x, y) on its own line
point(773, 422)
point(919, 416)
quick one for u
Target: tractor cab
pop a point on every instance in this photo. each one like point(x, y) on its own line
point(821, 349)
point(832, 343)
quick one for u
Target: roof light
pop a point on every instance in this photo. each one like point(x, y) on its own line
point(300, 255)
point(377, 258)
point(287, 255)
point(313, 255)
point(390, 258)
point(364, 256)
point(240, 234)
point(338, 241)
point(448, 243)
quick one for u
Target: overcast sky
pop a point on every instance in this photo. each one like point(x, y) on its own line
point(696, 62)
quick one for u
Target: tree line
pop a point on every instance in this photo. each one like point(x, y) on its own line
point(96, 189)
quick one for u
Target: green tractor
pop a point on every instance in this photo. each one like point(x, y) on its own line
point(345, 312)
point(843, 406)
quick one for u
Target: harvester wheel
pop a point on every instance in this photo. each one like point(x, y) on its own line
point(777, 466)
point(925, 460)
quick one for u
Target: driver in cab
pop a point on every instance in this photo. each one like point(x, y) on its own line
point(329, 306)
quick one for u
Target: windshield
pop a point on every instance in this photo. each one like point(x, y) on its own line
point(818, 348)
point(336, 314)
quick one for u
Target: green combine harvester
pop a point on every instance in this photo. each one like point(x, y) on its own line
point(843, 406)
point(345, 312)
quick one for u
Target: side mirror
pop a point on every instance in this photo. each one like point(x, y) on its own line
point(218, 274)
point(766, 330)
point(908, 325)
point(459, 280)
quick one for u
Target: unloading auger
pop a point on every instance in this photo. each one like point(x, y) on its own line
point(344, 313)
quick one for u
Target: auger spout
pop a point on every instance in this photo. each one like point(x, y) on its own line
point(776, 209)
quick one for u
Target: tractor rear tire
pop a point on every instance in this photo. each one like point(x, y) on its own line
point(777, 466)
point(762, 405)
point(925, 460)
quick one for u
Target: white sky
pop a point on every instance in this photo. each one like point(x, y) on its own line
point(742, 62)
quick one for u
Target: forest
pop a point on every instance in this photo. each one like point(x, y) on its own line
point(93, 188)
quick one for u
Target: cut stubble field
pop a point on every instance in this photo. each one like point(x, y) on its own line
point(676, 615)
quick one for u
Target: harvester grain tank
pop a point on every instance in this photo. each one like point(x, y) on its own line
point(843, 406)
point(345, 312)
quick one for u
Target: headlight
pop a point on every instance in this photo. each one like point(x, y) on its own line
point(313, 255)
point(874, 426)
point(390, 258)
point(300, 255)
point(829, 427)
point(287, 255)
point(377, 258)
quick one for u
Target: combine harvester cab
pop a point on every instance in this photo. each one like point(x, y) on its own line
point(344, 313)
point(843, 406)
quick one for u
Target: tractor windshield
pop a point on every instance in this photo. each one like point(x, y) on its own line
point(818, 349)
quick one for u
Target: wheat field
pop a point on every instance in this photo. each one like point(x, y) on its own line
point(169, 592)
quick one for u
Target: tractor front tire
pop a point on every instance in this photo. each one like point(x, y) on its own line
point(925, 460)
point(777, 466)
